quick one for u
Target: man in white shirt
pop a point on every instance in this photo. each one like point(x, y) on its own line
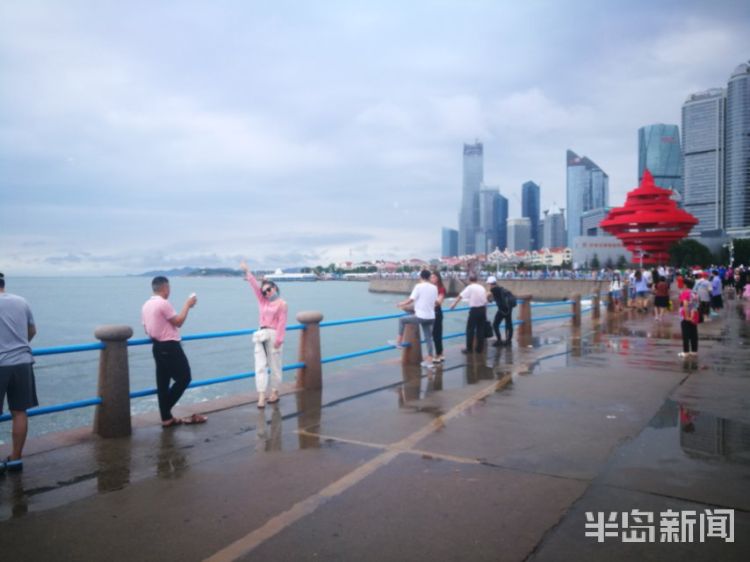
point(423, 296)
point(476, 295)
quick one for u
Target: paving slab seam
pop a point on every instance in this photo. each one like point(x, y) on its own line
point(676, 498)
point(536, 472)
point(430, 454)
point(553, 528)
point(419, 452)
point(280, 522)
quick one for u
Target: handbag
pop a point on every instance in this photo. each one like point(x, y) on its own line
point(488, 333)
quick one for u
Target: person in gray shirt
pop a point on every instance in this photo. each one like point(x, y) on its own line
point(16, 371)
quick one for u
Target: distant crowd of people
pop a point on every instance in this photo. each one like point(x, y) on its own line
point(504, 274)
point(700, 294)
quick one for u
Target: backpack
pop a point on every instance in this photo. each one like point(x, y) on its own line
point(508, 302)
point(692, 311)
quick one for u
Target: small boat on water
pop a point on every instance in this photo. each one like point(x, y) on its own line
point(279, 275)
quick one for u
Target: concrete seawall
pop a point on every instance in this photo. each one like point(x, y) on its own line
point(539, 289)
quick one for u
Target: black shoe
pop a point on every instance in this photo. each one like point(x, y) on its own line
point(497, 343)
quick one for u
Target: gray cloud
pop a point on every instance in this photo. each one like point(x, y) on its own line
point(318, 131)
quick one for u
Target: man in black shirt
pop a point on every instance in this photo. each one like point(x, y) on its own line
point(505, 302)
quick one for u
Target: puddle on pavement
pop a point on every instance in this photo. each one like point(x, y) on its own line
point(680, 433)
point(539, 341)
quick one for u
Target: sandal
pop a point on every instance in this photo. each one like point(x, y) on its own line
point(171, 423)
point(195, 418)
point(11, 465)
point(272, 400)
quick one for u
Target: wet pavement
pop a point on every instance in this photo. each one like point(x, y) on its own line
point(494, 457)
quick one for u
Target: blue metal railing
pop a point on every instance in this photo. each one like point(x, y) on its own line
point(249, 331)
point(67, 349)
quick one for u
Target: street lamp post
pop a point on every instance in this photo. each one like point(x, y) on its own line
point(730, 245)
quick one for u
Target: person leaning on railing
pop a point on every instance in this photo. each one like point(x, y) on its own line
point(476, 295)
point(17, 328)
point(423, 297)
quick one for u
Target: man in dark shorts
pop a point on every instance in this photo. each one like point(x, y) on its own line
point(16, 372)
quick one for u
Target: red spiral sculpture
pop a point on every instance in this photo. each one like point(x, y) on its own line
point(649, 222)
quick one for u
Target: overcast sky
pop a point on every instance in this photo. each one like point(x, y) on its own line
point(152, 134)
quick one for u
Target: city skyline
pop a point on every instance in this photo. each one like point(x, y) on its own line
point(138, 137)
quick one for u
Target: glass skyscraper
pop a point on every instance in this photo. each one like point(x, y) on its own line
point(486, 236)
point(737, 151)
point(519, 234)
point(659, 151)
point(703, 164)
point(587, 190)
point(468, 219)
point(449, 242)
point(530, 208)
point(501, 222)
point(554, 228)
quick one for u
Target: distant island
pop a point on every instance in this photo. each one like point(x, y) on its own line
point(194, 272)
point(215, 272)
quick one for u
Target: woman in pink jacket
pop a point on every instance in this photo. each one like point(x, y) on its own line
point(269, 338)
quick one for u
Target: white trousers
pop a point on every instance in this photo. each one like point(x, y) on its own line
point(267, 357)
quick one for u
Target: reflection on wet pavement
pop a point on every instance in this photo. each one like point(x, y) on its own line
point(171, 461)
point(269, 438)
point(703, 435)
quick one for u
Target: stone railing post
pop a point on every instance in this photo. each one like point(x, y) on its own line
point(524, 315)
point(596, 311)
point(112, 416)
point(412, 353)
point(310, 377)
point(575, 301)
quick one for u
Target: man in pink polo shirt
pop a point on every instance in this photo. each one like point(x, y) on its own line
point(161, 323)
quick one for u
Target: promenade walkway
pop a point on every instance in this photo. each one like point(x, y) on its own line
point(487, 458)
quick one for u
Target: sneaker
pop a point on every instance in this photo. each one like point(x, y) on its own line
point(437, 361)
point(682, 354)
point(427, 364)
